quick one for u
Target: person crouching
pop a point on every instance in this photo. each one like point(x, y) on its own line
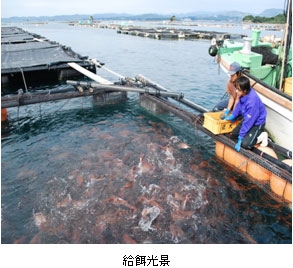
point(250, 130)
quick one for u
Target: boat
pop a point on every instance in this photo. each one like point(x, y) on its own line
point(268, 65)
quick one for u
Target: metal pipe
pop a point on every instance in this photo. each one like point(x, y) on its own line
point(187, 102)
point(126, 88)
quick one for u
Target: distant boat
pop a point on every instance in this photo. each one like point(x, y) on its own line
point(268, 65)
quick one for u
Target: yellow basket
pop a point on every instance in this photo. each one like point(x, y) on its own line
point(213, 123)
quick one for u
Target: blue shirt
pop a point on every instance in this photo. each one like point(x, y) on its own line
point(253, 111)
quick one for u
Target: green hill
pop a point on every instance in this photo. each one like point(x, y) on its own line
point(279, 19)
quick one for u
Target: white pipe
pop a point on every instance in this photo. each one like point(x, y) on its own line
point(89, 74)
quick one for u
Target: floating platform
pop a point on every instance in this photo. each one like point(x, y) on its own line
point(25, 56)
point(162, 33)
point(175, 33)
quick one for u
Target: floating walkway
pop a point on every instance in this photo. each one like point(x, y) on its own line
point(175, 33)
point(163, 33)
point(25, 56)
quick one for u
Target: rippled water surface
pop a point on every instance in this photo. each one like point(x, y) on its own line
point(74, 172)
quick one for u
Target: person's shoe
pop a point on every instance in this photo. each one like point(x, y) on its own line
point(263, 139)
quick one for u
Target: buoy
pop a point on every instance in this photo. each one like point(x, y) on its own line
point(231, 156)
point(213, 50)
point(220, 147)
point(258, 172)
point(236, 159)
point(288, 162)
point(281, 187)
point(268, 151)
point(4, 114)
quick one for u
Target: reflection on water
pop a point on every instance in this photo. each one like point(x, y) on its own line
point(120, 175)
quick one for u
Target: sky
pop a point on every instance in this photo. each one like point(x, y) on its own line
point(20, 8)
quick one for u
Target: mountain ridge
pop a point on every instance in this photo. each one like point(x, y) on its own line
point(198, 15)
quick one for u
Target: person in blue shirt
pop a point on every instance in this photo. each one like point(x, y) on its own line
point(253, 111)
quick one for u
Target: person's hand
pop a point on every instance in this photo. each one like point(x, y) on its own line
point(230, 118)
point(238, 145)
point(225, 114)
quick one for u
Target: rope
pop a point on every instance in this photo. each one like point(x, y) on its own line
point(256, 82)
point(101, 65)
point(62, 105)
point(19, 94)
point(157, 92)
point(23, 78)
point(197, 123)
point(246, 161)
point(283, 199)
point(225, 94)
point(285, 43)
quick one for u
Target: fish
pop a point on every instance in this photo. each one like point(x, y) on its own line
point(181, 215)
point(174, 139)
point(20, 240)
point(149, 214)
point(183, 204)
point(26, 174)
point(80, 181)
point(183, 200)
point(128, 240)
point(170, 159)
point(39, 218)
point(178, 196)
point(65, 202)
point(127, 185)
point(191, 178)
point(117, 201)
point(180, 144)
point(234, 184)
point(172, 203)
point(183, 145)
point(79, 204)
point(125, 133)
point(62, 156)
point(152, 201)
point(144, 166)
point(176, 232)
point(36, 239)
point(132, 174)
point(105, 136)
point(244, 233)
